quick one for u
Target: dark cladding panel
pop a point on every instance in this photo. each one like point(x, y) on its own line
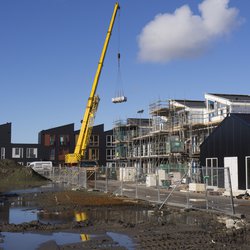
point(5, 134)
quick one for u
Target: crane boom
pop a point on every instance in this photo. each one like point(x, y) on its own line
point(92, 104)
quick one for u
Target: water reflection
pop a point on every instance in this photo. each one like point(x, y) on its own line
point(18, 211)
point(31, 241)
point(82, 217)
point(55, 217)
point(16, 215)
point(126, 215)
point(4, 213)
point(122, 240)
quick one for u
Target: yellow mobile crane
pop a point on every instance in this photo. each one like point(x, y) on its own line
point(92, 104)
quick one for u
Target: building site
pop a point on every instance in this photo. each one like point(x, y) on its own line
point(176, 175)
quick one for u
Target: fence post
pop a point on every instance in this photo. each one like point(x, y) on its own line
point(95, 178)
point(85, 178)
point(106, 174)
point(157, 183)
point(206, 194)
point(136, 181)
point(231, 192)
point(121, 180)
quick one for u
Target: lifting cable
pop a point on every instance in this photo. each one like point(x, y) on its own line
point(119, 94)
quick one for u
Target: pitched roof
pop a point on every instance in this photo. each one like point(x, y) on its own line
point(242, 117)
point(192, 103)
point(245, 118)
point(233, 97)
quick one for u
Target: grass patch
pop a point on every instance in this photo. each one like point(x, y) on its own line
point(14, 176)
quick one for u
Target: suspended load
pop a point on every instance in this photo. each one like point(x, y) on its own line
point(119, 99)
point(119, 96)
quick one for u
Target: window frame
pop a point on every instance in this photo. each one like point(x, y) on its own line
point(110, 142)
point(17, 152)
point(212, 172)
point(112, 155)
point(94, 156)
point(34, 153)
point(94, 141)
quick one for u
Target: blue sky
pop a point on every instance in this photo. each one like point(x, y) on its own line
point(49, 50)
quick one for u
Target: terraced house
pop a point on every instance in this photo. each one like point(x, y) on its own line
point(54, 143)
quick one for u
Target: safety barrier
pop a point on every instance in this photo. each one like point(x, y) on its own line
point(203, 188)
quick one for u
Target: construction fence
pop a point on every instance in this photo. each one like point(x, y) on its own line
point(202, 188)
point(73, 177)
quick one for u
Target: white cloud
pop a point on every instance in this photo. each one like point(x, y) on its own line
point(183, 34)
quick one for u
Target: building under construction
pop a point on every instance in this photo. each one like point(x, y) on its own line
point(170, 139)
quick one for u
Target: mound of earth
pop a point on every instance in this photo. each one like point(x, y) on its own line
point(15, 176)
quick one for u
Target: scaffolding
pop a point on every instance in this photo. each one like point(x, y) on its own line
point(148, 144)
point(169, 139)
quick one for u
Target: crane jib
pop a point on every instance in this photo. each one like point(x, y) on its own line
point(92, 104)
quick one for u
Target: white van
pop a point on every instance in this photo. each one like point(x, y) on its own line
point(41, 165)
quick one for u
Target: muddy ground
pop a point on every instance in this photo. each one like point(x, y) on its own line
point(170, 228)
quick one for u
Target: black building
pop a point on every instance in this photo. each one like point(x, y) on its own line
point(96, 149)
point(228, 146)
point(5, 133)
point(59, 141)
point(54, 143)
point(22, 153)
point(5, 140)
point(110, 148)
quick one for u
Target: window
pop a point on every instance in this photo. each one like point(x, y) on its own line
point(93, 154)
point(110, 154)
point(212, 171)
point(63, 140)
point(31, 153)
point(94, 140)
point(2, 153)
point(109, 140)
point(17, 152)
point(52, 140)
point(210, 105)
point(49, 140)
point(52, 154)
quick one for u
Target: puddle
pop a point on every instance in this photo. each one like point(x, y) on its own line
point(31, 241)
point(122, 240)
point(13, 214)
point(17, 212)
point(18, 216)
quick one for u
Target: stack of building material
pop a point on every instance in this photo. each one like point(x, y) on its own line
point(119, 99)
